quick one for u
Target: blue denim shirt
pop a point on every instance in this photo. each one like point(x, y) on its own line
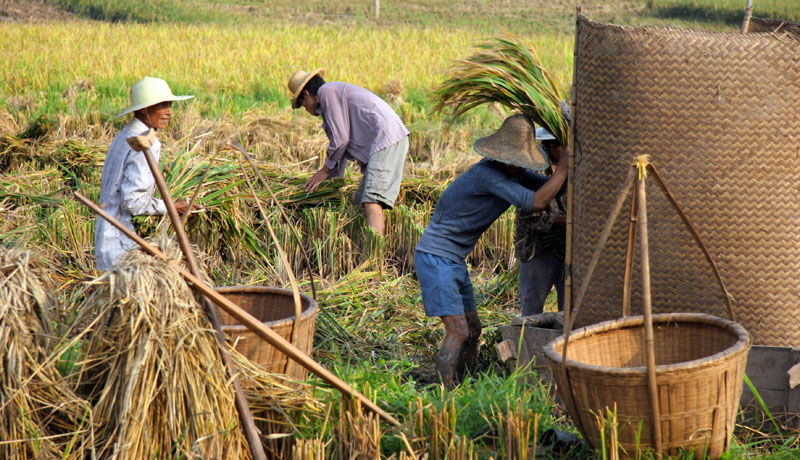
point(471, 204)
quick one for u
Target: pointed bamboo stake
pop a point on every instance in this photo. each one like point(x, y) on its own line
point(247, 320)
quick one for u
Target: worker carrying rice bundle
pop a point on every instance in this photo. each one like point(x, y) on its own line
point(360, 127)
point(126, 187)
point(463, 212)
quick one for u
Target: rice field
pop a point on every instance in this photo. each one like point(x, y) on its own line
point(62, 83)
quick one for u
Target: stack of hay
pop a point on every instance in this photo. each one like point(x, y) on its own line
point(153, 369)
point(40, 416)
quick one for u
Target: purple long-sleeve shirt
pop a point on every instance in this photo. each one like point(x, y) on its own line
point(358, 123)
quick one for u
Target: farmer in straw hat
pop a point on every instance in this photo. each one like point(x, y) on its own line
point(540, 240)
point(464, 211)
point(126, 187)
point(360, 127)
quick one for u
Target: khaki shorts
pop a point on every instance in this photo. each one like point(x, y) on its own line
point(382, 176)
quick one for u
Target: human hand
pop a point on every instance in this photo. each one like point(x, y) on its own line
point(181, 206)
point(313, 183)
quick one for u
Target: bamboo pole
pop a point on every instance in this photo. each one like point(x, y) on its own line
point(246, 418)
point(247, 319)
point(748, 13)
point(647, 307)
point(626, 284)
point(598, 250)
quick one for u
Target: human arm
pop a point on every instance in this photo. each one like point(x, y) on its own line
point(545, 194)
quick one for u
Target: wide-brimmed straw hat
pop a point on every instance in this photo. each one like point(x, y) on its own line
point(150, 91)
point(298, 81)
point(515, 143)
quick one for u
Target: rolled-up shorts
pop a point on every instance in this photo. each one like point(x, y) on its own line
point(382, 176)
point(445, 285)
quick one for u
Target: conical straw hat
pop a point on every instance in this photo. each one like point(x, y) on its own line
point(514, 143)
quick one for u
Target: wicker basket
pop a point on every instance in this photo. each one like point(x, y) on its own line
point(700, 363)
point(275, 307)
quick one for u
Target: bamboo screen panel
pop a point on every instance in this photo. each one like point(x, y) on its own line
point(771, 25)
point(719, 115)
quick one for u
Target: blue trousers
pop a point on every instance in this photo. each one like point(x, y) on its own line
point(537, 277)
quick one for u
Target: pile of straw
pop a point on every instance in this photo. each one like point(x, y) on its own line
point(153, 369)
point(40, 416)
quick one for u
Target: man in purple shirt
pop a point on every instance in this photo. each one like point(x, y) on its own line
point(360, 127)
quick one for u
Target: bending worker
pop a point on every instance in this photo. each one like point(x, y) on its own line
point(126, 187)
point(464, 211)
point(360, 127)
point(540, 240)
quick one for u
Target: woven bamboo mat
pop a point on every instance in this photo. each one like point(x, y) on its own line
point(772, 25)
point(718, 115)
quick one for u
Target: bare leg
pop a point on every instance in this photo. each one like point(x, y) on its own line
point(450, 354)
point(374, 212)
point(470, 351)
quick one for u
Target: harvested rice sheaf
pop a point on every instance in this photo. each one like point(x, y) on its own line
point(153, 369)
point(40, 416)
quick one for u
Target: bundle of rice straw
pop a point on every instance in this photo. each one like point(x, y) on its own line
point(510, 74)
point(153, 369)
point(40, 416)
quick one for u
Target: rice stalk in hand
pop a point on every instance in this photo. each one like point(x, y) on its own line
point(152, 367)
point(40, 416)
point(506, 72)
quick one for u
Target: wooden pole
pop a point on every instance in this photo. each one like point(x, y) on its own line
point(748, 13)
point(652, 385)
point(247, 320)
point(626, 284)
point(245, 417)
point(377, 9)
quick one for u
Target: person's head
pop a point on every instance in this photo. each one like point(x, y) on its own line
point(514, 144)
point(549, 143)
point(304, 87)
point(151, 102)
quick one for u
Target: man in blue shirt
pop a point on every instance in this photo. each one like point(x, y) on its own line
point(464, 211)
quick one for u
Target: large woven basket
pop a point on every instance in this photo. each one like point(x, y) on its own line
point(718, 113)
point(700, 363)
point(275, 307)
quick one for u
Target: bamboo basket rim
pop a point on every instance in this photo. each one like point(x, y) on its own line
point(307, 312)
point(742, 343)
point(654, 29)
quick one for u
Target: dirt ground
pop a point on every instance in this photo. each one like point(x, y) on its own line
point(32, 11)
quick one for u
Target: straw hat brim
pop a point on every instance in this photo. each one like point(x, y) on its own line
point(515, 144)
point(144, 105)
point(302, 85)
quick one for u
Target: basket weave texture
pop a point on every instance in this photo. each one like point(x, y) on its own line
point(717, 113)
point(275, 307)
point(758, 25)
point(700, 363)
